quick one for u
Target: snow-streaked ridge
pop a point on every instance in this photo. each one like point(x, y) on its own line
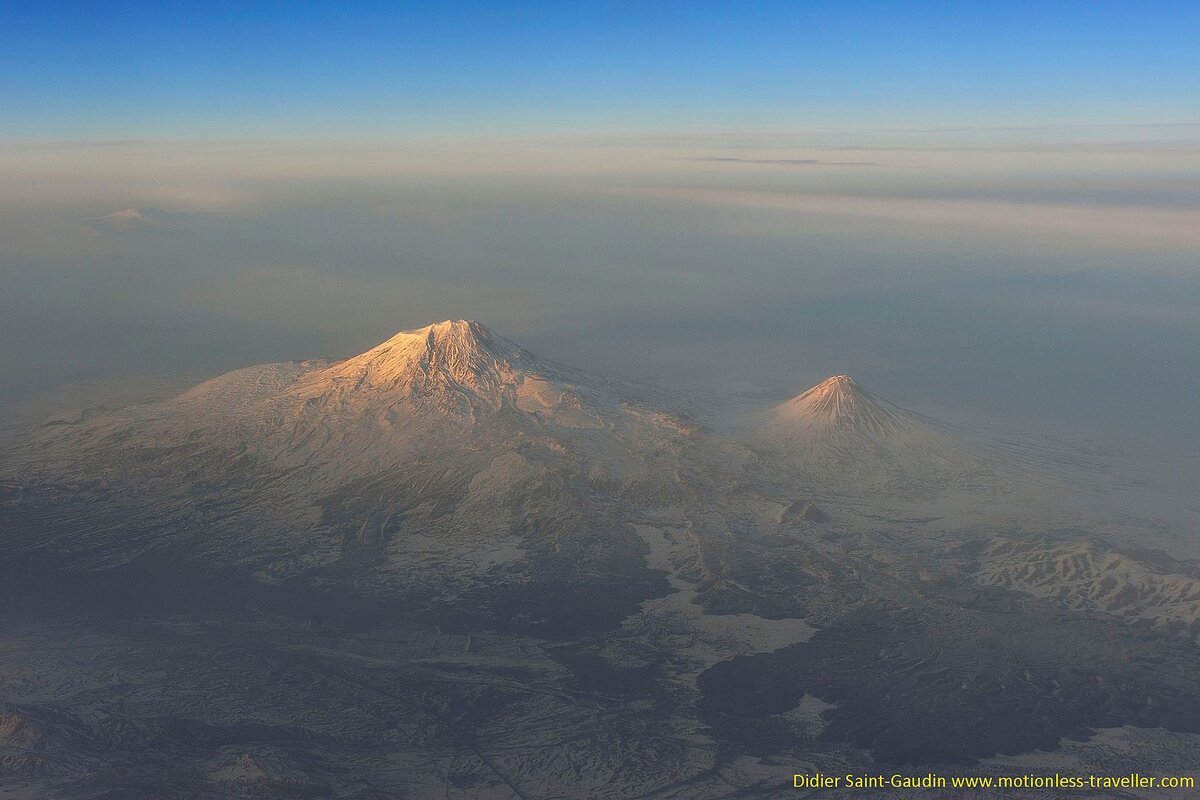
point(448, 364)
point(838, 403)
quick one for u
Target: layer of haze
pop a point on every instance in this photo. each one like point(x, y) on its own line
point(1034, 275)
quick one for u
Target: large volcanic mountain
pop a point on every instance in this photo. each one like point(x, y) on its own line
point(443, 455)
point(320, 421)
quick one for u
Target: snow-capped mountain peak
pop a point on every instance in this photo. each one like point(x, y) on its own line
point(460, 350)
point(838, 403)
point(847, 438)
point(453, 364)
point(129, 215)
point(129, 219)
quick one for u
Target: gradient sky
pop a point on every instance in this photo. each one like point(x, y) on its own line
point(119, 70)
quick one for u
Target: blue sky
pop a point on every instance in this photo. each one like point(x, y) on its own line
point(146, 70)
